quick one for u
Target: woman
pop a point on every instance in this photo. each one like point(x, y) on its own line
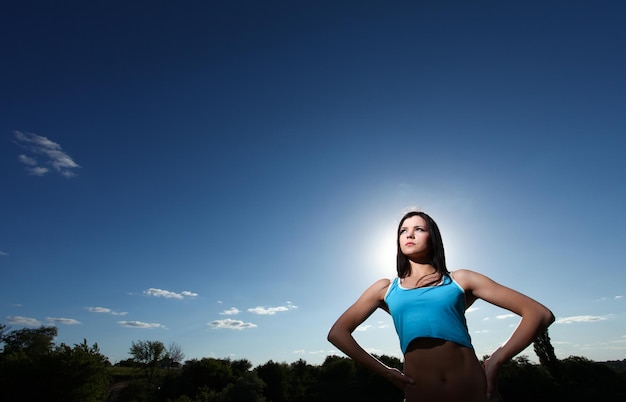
point(427, 304)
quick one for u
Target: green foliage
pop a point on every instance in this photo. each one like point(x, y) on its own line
point(149, 355)
point(80, 373)
point(53, 373)
point(31, 343)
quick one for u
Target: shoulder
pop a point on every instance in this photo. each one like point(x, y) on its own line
point(381, 284)
point(462, 274)
point(469, 279)
point(378, 289)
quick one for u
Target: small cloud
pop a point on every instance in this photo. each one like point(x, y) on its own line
point(167, 294)
point(579, 318)
point(374, 351)
point(66, 321)
point(43, 153)
point(104, 310)
point(318, 352)
point(272, 310)
point(139, 324)
point(505, 316)
point(230, 324)
point(26, 321)
point(230, 311)
point(362, 328)
point(471, 309)
point(2, 253)
point(619, 297)
point(267, 311)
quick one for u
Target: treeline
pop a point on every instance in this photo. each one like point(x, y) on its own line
point(32, 367)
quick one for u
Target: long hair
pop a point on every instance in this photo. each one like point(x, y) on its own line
point(435, 246)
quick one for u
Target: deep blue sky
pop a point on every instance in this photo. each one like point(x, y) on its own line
point(228, 175)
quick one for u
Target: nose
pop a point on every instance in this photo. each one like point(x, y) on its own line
point(410, 234)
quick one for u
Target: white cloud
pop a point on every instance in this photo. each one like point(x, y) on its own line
point(272, 310)
point(363, 327)
point(139, 324)
point(505, 316)
point(579, 318)
point(26, 321)
point(2, 253)
point(50, 152)
point(105, 310)
point(230, 324)
point(66, 321)
point(230, 311)
point(167, 294)
point(323, 352)
point(267, 311)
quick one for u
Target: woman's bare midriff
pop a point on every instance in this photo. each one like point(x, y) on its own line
point(443, 372)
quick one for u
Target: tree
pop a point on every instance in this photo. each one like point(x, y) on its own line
point(30, 342)
point(545, 351)
point(150, 354)
point(79, 373)
point(276, 377)
point(174, 355)
point(53, 373)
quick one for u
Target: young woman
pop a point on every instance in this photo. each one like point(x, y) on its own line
point(427, 304)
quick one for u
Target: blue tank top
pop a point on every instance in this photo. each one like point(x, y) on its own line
point(429, 312)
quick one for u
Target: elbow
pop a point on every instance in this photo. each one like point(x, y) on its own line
point(550, 319)
point(337, 336)
point(547, 318)
point(332, 336)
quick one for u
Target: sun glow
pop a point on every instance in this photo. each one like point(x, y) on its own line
point(383, 252)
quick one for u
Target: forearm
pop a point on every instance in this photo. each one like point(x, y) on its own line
point(527, 330)
point(345, 342)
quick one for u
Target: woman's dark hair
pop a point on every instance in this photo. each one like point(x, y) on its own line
point(435, 246)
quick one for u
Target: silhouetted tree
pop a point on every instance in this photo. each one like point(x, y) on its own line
point(588, 380)
point(30, 342)
point(545, 352)
point(522, 381)
point(276, 378)
point(173, 355)
point(150, 355)
point(246, 388)
point(240, 367)
point(52, 373)
point(78, 374)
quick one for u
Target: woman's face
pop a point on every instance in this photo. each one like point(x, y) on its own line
point(413, 237)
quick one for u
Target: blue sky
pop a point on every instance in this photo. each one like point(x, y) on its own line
point(228, 176)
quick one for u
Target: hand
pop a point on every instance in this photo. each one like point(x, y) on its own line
point(398, 378)
point(491, 375)
point(494, 396)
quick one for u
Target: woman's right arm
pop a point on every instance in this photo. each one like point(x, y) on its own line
point(340, 333)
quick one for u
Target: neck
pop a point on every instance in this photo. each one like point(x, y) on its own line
point(421, 269)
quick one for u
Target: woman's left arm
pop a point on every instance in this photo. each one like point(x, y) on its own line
point(535, 317)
